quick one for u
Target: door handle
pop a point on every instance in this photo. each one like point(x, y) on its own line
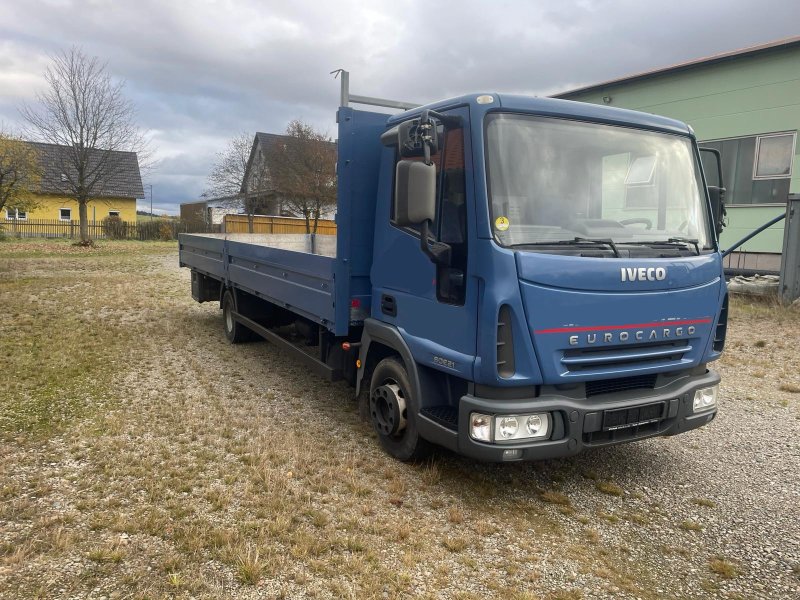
point(388, 305)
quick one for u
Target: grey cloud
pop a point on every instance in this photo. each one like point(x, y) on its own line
point(202, 72)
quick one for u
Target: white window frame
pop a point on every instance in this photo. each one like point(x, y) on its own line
point(758, 149)
point(15, 216)
point(61, 216)
point(114, 213)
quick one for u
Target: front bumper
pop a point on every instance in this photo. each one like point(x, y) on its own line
point(578, 422)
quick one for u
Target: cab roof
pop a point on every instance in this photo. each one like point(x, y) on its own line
point(552, 107)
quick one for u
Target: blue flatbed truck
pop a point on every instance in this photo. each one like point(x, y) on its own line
point(512, 278)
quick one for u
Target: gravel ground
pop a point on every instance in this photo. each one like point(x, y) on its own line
point(200, 469)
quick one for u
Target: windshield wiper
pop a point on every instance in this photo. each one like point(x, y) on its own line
point(576, 241)
point(673, 241)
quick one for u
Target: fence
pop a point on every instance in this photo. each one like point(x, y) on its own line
point(156, 229)
point(264, 224)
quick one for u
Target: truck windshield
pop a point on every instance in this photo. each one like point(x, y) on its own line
point(554, 183)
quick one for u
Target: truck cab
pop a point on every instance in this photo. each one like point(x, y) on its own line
point(545, 278)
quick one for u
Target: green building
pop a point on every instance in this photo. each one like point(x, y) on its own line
point(745, 103)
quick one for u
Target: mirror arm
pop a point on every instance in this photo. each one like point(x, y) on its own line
point(446, 120)
point(438, 252)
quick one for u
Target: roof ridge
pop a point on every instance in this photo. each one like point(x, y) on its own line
point(695, 62)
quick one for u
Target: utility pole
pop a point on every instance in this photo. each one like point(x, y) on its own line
point(151, 200)
point(790, 259)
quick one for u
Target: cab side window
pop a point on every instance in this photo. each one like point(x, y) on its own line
point(450, 226)
point(452, 221)
point(453, 210)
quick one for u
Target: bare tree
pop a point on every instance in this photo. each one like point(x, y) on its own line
point(86, 112)
point(302, 170)
point(227, 174)
point(226, 179)
point(20, 173)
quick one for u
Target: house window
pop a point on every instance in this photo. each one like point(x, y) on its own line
point(640, 180)
point(65, 214)
point(113, 213)
point(17, 214)
point(757, 169)
point(774, 155)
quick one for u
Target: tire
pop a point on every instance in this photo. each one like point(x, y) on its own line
point(234, 331)
point(405, 445)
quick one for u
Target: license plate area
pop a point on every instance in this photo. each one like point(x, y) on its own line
point(636, 416)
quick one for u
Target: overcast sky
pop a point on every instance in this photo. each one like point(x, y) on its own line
point(202, 71)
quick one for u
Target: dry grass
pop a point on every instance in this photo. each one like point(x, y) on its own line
point(457, 544)
point(552, 497)
point(249, 565)
point(612, 489)
point(136, 440)
point(723, 568)
point(704, 502)
point(691, 526)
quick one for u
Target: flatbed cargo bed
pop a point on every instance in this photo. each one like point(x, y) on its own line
point(295, 271)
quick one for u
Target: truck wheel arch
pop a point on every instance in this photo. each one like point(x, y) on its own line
point(379, 341)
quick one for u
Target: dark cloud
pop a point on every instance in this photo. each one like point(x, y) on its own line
point(201, 72)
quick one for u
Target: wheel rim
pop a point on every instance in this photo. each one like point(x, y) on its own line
point(228, 317)
point(388, 409)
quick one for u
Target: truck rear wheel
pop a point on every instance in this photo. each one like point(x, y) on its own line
point(234, 331)
point(393, 409)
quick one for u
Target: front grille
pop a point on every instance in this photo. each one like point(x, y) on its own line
point(608, 386)
point(616, 436)
point(619, 357)
point(629, 423)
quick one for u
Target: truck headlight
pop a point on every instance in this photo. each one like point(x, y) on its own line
point(516, 428)
point(705, 398)
point(508, 428)
point(534, 424)
point(480, 427)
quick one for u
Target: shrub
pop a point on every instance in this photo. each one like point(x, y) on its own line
point(115, 228)
point(166, 231)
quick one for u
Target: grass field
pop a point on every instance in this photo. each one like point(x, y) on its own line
point(142, 456)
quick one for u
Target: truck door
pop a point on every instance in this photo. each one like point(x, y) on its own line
point(434, 307)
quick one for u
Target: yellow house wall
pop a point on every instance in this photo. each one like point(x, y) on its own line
point(49, 208)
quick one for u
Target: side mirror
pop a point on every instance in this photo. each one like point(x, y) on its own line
point(717, 197)
point(412, 135)
point(716, 192)
point(414, 193)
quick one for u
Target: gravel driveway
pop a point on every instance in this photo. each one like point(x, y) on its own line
point(180, 466)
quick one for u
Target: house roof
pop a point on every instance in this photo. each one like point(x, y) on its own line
point(124, 179)
point(217, 202)
point(264, 141)
point(683, 66)
point(236, 200)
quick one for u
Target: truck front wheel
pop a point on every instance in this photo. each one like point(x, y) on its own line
point(234, 331)
point(393, 409)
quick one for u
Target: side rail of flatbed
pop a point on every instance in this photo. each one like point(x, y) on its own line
point(291, 271)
